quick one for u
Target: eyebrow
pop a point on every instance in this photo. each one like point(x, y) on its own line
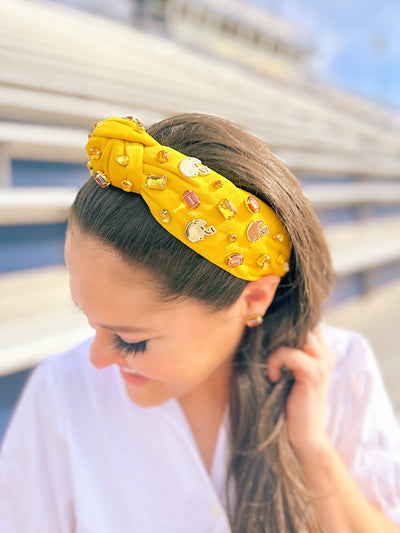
point(125, 329)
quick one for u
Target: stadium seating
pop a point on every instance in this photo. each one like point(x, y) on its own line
point(68, 69)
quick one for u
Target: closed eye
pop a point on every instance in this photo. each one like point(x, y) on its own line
point(127, 348)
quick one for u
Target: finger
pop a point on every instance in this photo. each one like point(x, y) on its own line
point(303, 367)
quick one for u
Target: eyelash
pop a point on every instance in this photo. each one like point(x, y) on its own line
point(129, 348)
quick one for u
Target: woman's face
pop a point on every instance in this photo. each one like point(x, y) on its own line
point(182, 347)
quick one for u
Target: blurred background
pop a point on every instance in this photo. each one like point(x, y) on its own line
point(319, 82)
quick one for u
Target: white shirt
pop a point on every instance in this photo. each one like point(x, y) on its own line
point(79, 456)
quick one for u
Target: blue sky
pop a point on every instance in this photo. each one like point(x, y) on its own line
point(357, 42)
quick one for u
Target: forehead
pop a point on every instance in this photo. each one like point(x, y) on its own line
point(99, 274)
point(111, 290)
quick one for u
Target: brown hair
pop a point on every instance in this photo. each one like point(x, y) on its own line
point(270, 493)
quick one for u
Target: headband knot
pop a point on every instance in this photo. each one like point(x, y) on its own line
point(227, 225)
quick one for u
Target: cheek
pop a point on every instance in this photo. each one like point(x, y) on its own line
point(190, 355)
point(170, 363)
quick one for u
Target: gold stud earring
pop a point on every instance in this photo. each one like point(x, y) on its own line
point(254, 320)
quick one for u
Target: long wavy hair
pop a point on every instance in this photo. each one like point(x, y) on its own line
point(270, 492)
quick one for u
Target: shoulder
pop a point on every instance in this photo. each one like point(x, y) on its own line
point(358, 411)
point(355, 370)
point(359, 415)
point(361, 422)
point(348, 347)
point(355, 384)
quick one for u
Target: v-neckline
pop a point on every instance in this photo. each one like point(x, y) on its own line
point(217, 474)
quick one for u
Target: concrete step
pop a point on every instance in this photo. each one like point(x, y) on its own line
point(364, 245)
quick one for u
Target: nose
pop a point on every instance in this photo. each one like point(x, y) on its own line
point(101, 354)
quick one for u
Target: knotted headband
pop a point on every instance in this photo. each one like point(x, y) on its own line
point(227, 225)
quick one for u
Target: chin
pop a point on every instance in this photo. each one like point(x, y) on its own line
point(146, 398)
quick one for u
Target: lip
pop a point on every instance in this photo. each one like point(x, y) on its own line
point(132, 379)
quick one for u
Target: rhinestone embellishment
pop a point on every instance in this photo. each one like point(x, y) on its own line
point(234, 260)
point(138, 124)
point(281, 260)
point(232, 237)
point(191, 200)
point(122, 160)
point(252, 204)
point(227, 209)
point(165, 217)
point(126, 186)
point(162, 156)
point(196, 230)
point(192, 167)
point(218, 184)
point(94, 153)
point(156, 182)
point(97, 124)
point(264, 261)
point(101, 179)
point(278, 237)
point(256, 230)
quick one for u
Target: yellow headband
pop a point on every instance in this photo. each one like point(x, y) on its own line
point(207, 212)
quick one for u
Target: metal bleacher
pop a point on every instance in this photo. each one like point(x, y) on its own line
point(69, 69)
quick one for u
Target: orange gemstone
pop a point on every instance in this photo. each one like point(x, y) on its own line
point(218, 184)
point(252, 204)
point(234, 260)
point(162, 156)
point(126, 186)
point(232, 237)
point(254, 320)
point(97, 124)
point(190, 199)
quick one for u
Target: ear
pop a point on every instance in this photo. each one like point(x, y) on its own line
point(258, 295)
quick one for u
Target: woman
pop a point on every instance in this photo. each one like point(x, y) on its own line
point(214, 401)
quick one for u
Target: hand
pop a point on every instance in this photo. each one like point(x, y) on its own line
point(305, 406)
